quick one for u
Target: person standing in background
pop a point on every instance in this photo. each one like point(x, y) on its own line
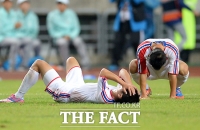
point(150, 6)
point(172, 18)
point(129, 24)
point(8, 26)
point(189, 23)
point(27, 32)
point(64, 27)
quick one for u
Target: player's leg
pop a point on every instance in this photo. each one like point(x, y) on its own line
point(133, 69)
point(182, 77)
point(38, 67)
point(74, 73)
point(71, 62)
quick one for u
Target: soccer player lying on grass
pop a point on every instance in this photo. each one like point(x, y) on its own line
point(159, 59)
point(74, 89)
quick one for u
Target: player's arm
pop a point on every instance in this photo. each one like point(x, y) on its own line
point(142, 70)
point(143, 82)
point(173, 83)
point(111, 76)
point(173, 72)
point(125, 76)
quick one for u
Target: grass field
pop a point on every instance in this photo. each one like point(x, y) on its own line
point(40, 112)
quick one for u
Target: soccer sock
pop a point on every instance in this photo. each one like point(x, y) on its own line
point(182, 79)
point(29, 80)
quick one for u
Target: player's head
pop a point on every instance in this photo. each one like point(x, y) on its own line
point(126, 98)
point(157, 58)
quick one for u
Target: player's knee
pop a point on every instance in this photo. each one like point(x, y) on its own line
point(133, 66)
point(36, 64)
point(183, 68)
point(39, 62)
point(70, 59)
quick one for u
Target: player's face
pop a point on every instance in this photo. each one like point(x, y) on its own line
point(119, 93)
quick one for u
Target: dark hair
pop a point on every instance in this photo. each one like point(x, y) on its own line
point(126, 98)
point(157, 58)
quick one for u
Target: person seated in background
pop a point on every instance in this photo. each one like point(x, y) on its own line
point(74, 89)
point(27, 32)
point(8, 26)
point(64, 27)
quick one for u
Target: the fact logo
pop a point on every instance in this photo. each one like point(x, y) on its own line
point(120, 114)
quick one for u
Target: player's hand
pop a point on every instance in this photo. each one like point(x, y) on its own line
point(131, 89)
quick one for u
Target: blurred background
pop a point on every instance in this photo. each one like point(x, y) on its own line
point(96, 20)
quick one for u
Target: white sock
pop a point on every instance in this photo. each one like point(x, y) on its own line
point(29, 80)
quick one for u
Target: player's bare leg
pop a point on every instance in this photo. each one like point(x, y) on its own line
point(38, 67)
point(70, 63)
point(133, 69)
point(41, 67)
point(181, 78)
point(183, 68)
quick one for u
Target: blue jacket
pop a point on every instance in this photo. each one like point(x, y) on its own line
point(30, 24)
point(63, 24)
point(7, 24)
point(135, 26)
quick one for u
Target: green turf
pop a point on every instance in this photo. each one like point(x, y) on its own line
point(40, 112)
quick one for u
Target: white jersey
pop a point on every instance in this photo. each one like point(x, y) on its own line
point(171, 65)
point(99, 92)
point(74, 89)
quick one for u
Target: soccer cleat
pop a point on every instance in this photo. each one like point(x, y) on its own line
point(148, 92)
point(179, 94)
point(12, 99)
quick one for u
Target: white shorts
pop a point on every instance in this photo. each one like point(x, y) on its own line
point(59, 89)
point(52, 81)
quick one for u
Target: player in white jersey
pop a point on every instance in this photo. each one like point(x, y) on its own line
point(74, 89)
point(159, 59)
